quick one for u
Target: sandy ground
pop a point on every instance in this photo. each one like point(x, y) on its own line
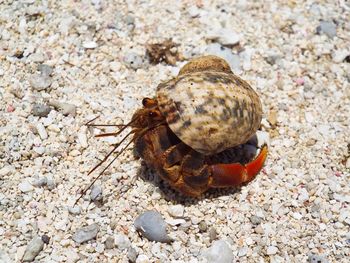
point(66, 62)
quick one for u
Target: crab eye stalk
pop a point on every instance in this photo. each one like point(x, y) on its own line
point(149, 103)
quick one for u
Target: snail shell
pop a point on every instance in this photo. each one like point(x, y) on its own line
point(208, 107)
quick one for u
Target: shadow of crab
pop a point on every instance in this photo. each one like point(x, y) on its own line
point(240, 154)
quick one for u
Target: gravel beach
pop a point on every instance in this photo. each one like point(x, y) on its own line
point(63, 63)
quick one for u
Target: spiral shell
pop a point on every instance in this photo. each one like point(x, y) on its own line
point(208, 107)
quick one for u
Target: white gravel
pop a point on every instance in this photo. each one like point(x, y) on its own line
point(82, 59)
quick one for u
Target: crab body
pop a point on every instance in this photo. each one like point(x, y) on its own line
point(205, 110)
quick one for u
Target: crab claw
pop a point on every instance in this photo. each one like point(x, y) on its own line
point(226, 175)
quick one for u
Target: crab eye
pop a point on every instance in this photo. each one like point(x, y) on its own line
point(145, 102)
point(155, 115)
point(152, 114)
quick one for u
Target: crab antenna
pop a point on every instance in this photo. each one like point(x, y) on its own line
point(106, 134)
point(109, 154)
point(107, 125)
point(104, 169)
point(88, 123)
point(116, 146)
point(124, 127)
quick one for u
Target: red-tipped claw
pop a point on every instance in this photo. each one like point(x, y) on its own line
point(226, 175)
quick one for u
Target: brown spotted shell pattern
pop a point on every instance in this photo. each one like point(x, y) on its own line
point(208, 107)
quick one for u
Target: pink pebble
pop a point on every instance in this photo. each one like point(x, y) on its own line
point(10, 108)
point(338, 174)
point(299, 81)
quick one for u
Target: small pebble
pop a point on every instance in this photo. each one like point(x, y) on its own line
point(71, 255)
point(249, 241)
point(40, 82)
point(129, 19)
point(48, 120)
point(315, 9)
point(224, 36)
point(132, 254)
point(51, 184)
point(193, 11)
point(271, 250)
point(54, 128)
point(328, 28)
point(96, 193)
point(122, 241)
point(313, 258)
point(272, 117)
point(68, 109)
point(219, 252)
point(309, 117)
point(25, 187)
point(175, 222)
point(152, 226)
point(195, 220)
point(142, 259)
point(339, 56)
point(41, 131)
point(303, 195)
point(113, 224)
point(259, 230)
point(37, 57)
point(40, 182)
point(300, 81)
point(255, 220)
point(39, 150)
point(82, 140)
point(114, 66)
point(17, 215)
point(176, 210)
point(74, 210)
point(64, 108)
point(202, 226)
point(99, 248)
point(213, 234)
point(41, 110)
point(85, 233)
point(4, 257)
point(45, 239)
point(242, 251)
point(33, 249)
point(273, 58)
point(347, 164)
point(109, 243)
point(74, 153)
point(6, 170)
point(246, 57)
point(133, 60)
point(45, 70)
point(10, 108)
point(90, 45)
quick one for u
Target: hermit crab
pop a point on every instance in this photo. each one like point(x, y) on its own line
point(203, 111)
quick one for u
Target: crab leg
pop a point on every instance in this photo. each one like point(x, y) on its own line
point(226, 175)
